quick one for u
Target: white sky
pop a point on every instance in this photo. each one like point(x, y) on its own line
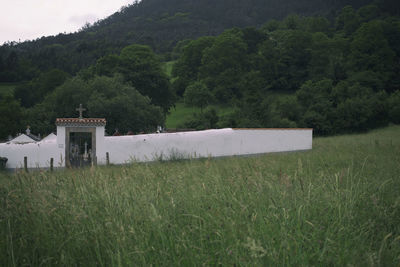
point(22, 20)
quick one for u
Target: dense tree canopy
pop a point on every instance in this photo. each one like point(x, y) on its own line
point(141, 68)
point(11, 117)
point(34, 91)
point(106, 97)
point(344, 73)
point(160, 24)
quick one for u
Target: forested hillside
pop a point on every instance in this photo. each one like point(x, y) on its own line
point(299, 72)
point(335, 73)
point(161, 24)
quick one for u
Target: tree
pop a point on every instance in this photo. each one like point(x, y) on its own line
point(317, 24)
point(292, 22)
point(110, 97)
point(294, 57)
point(348, 21)
point(197, 94)
point(316, 101)
point(223, 64)
point(321, 54)
point(394, 107)
point(271, 25)
point(107, 65)
point(35, 91)
point(186, 68)
point(203, 120)
point(11, 117)
point(123, 106)
point(370, 51)
point(368, 12)
point(139, 66)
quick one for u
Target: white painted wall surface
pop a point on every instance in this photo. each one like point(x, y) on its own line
point(214, 143)
point(60, 144)
point(149, 147)
point(38, 153)
point(100, 147)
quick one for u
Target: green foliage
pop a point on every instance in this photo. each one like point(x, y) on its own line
point(182, 113)
point(289, 108)
point(139, 66)
point(342, 77)
point(123, 106)
point(368, 12)
point(36, 90)
point(203, 120)
point(105, 97)
point(394, 107)
point(348, 21)
point(223, 63)
point(198, 95)
point(345, 107)
point(7, 89)
point(14, 67)
point(10, 118)
point(186, 68)
point(156, 23)
point(167, 67)
point(370, 50)
point(336, 205)
point(179, 114)
point(271, 26)
point(107, 65)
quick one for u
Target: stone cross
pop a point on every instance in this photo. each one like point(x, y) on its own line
point(80, 109)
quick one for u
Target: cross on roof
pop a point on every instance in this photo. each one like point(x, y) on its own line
point(80, 109)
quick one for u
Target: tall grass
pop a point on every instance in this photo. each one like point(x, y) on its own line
point(338, 204)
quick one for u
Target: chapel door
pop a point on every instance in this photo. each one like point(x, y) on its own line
point(80, 149)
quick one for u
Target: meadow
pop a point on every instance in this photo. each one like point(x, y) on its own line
point(335, 205)
point(181, 113)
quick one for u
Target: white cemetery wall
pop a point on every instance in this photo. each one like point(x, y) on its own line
point(61, 142)
point(214, 143)
point(150, 147)
point(100, 147)
point(38, 154)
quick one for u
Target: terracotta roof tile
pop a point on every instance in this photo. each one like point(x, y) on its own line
point(77, 121)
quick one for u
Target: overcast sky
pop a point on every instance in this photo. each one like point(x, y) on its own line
point(22, 20)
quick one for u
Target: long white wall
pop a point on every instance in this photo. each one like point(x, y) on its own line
point(38, 154)
point(150, 147)
point(214, 143)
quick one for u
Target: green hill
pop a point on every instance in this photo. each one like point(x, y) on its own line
point(160, 24)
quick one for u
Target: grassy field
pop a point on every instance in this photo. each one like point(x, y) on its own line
point(180, 113)
point(167, 67)
point(337, 205)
